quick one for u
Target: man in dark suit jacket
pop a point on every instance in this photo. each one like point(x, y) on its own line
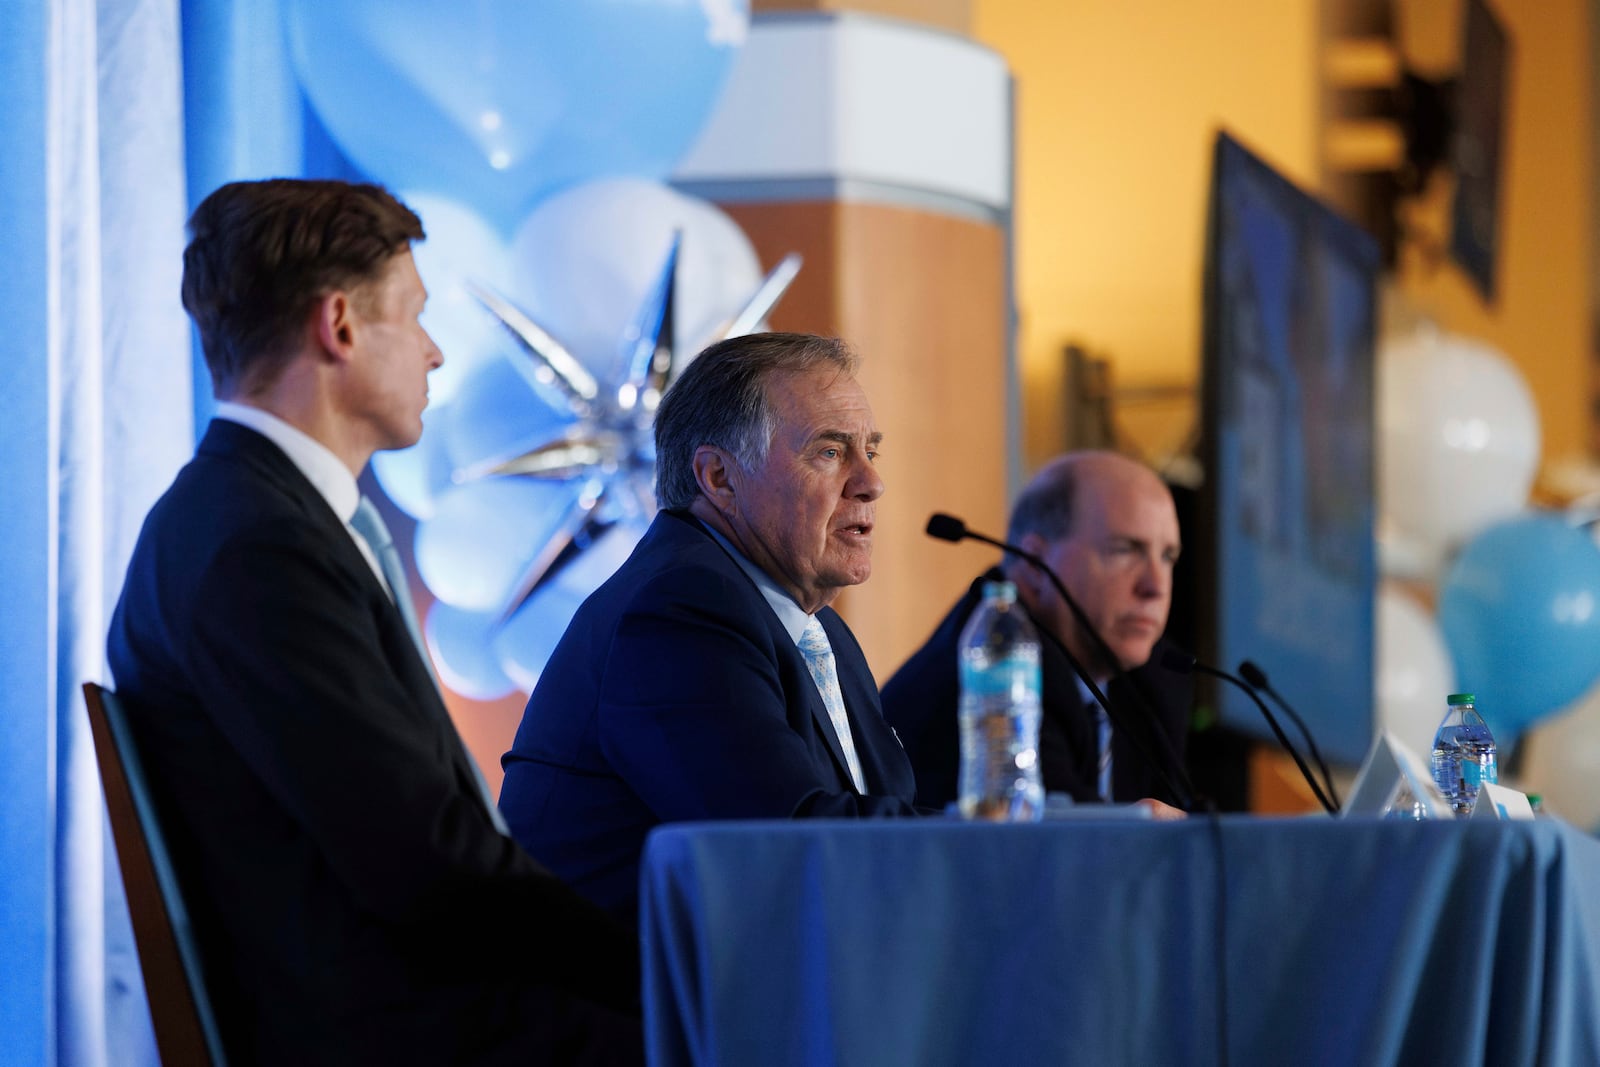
point(353, 899)
point(681, 689)
point(1106, 524)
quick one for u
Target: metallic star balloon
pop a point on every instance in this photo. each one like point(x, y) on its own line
point(607, 453)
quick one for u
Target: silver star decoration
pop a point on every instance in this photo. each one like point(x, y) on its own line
point(608, 454)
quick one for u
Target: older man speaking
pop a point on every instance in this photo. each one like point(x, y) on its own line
point(708, 678)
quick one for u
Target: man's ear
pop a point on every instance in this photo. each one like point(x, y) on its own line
point(713, 473)
point(334, 322)
point(1034, 543)
point(1030, 583)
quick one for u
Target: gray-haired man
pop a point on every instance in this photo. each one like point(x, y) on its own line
point(708, 678)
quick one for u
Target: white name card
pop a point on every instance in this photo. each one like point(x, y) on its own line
point(1390, 771)
point(1501, 802)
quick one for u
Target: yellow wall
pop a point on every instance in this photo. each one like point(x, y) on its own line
point(1117, 105)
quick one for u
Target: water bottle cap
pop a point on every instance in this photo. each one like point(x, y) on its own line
point(1003, 591)
point(1460, 698)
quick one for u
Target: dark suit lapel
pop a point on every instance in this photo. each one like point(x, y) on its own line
point(240, 444)
point(230, 440)
point(236, 443)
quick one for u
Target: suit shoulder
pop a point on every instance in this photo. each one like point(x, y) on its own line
point(678, 564)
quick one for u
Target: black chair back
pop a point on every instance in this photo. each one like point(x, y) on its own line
point(185, 1027)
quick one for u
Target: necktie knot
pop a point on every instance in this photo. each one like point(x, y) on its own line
point(368, 522)
point(814, 640)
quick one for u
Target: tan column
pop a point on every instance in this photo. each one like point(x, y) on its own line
point(952, 15)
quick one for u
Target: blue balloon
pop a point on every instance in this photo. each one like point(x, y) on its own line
point(499, 101)
point(1520, 611)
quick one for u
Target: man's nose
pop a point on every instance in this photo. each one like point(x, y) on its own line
point(1155, 578)
point(865, 483)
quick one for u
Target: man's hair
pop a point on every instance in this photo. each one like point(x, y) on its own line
point(1046, 505)
point(721, 400)
point(262, 253)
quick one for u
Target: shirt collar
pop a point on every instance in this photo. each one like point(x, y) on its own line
point(792, 617)
point(324, 470)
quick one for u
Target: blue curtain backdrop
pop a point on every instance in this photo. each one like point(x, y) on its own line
point(95, 418)
point(118, 116)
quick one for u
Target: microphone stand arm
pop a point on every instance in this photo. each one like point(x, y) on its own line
point(1311, 742)
point(1277, 731)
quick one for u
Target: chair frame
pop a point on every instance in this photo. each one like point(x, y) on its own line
point(180, 1009)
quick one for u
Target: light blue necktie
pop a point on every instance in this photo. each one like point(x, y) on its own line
point(1104, 723)
point(818, 652)
point(368, 522)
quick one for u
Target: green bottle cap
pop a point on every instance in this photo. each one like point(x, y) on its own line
point(1460, 698)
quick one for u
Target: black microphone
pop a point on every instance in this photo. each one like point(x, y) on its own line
point(1258, 680)
point(1180, 663)
point(949, 528)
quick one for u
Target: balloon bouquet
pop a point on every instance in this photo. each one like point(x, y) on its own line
point(1518, 591)
point(532, 139)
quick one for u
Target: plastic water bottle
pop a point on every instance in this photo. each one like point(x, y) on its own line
point(999, 667)
point(1464, 754)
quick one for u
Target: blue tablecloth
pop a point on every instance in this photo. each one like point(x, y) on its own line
point(1213, 941)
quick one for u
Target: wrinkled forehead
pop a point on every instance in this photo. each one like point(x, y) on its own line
point(819, 399)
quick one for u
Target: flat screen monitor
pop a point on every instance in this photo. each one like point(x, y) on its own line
point(1287, 569)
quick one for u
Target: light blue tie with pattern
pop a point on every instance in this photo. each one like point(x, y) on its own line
point(368, 522)
point(1104, 723)
point(818, 653)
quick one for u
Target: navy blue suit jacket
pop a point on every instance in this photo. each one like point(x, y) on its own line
point(351, 898)
point(921, 699)
point(676, 694)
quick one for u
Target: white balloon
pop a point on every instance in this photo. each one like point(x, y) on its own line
point(473, 551)
point(460, 247)
point(586, 258)
point(525, 643)
point(1414, 670)
point(1562, 762)
point(1458, 439)
point(459, 642)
